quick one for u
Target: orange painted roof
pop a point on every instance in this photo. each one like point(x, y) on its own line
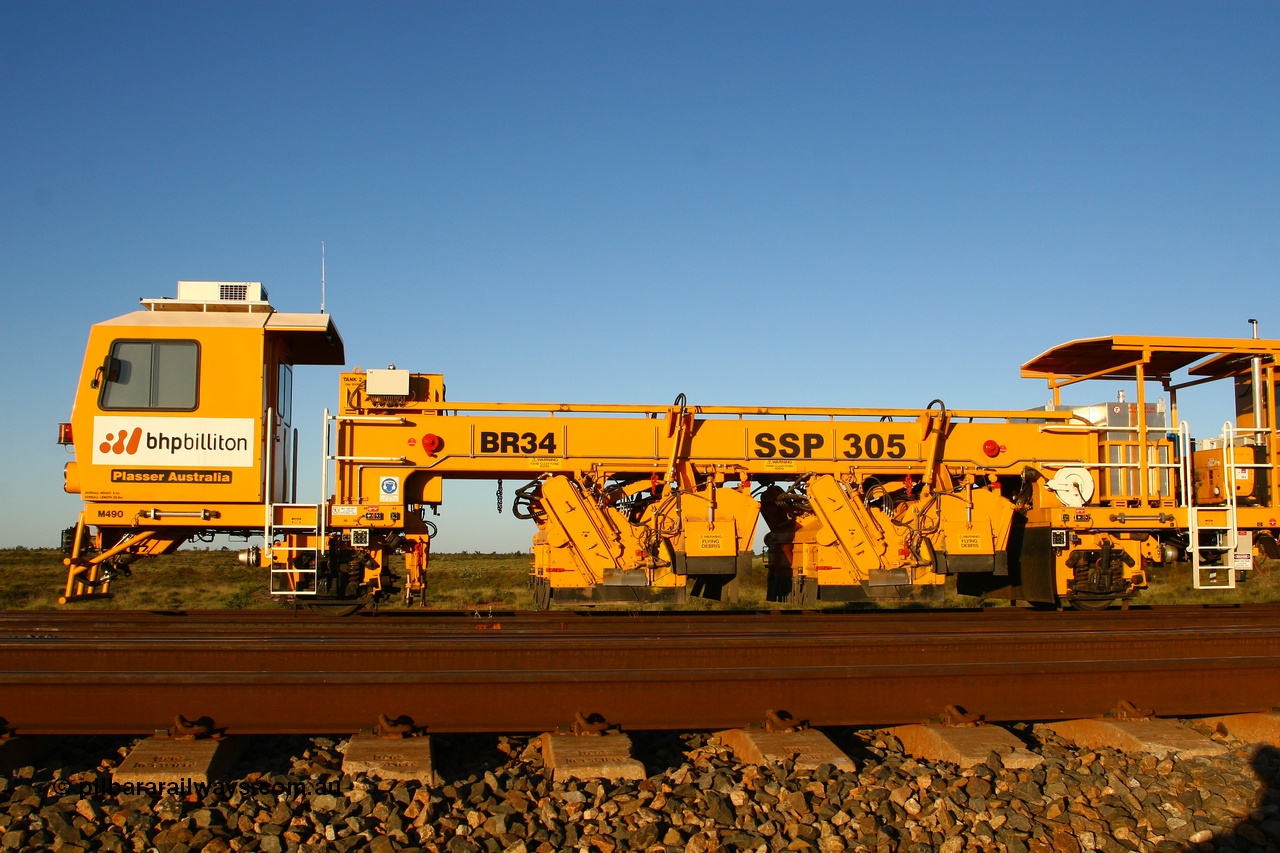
point(1114, 357)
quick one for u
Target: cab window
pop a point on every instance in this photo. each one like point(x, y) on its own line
point(151, 375)
point(284, 394)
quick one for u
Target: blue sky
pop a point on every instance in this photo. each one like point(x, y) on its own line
point(761, 203)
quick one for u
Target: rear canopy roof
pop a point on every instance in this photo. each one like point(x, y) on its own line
point(1118, 357)
point(312, 338)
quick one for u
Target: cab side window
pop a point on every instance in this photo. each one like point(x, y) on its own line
point(160, 375)
point(284, 394)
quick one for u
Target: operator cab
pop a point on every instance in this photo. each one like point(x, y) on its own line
point(183, 420)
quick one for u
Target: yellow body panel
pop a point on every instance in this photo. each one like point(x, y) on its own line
point(210, 453)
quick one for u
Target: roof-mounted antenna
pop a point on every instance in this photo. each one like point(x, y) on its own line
point(322, 277)
point(1254, 323)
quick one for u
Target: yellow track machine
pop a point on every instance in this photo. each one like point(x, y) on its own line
point(183, 427)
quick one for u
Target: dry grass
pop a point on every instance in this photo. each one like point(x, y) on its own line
point(195, 579)
point(213, 580)
point(187, 580)
point(484, 581)
point(1172, 585)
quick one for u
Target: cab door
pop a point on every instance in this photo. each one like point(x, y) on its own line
point(284, 439)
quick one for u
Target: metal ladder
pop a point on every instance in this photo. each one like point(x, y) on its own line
point(1212, 529)
point(284, 577)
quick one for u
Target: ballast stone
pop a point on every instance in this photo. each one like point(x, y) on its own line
point(18, 751)
point(1157, 805)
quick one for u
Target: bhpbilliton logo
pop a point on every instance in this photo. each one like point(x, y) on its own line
point(123, 442)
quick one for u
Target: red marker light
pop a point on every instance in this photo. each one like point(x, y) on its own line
point(64, 434)
point(991, 448)
point(431, 443)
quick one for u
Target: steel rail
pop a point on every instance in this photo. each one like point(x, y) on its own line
point(272, 672)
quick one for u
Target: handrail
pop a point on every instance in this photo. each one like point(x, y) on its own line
point(1229, 474)
point(372, 419)
point(322, 508)
point(269, 438)
point(1184, 449)
point(442, 406)
point(1142, 464)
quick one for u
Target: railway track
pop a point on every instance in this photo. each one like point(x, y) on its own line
point(274, 672)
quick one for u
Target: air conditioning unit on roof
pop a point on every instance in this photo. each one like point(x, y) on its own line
point(221, 291)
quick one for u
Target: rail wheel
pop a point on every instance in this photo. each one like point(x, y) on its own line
point(1092, 604)
point(334, 608)
point(1045, 605)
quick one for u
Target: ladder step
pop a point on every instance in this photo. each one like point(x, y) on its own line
point(313, 572)
point(1219, 522)
point(295, 516)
